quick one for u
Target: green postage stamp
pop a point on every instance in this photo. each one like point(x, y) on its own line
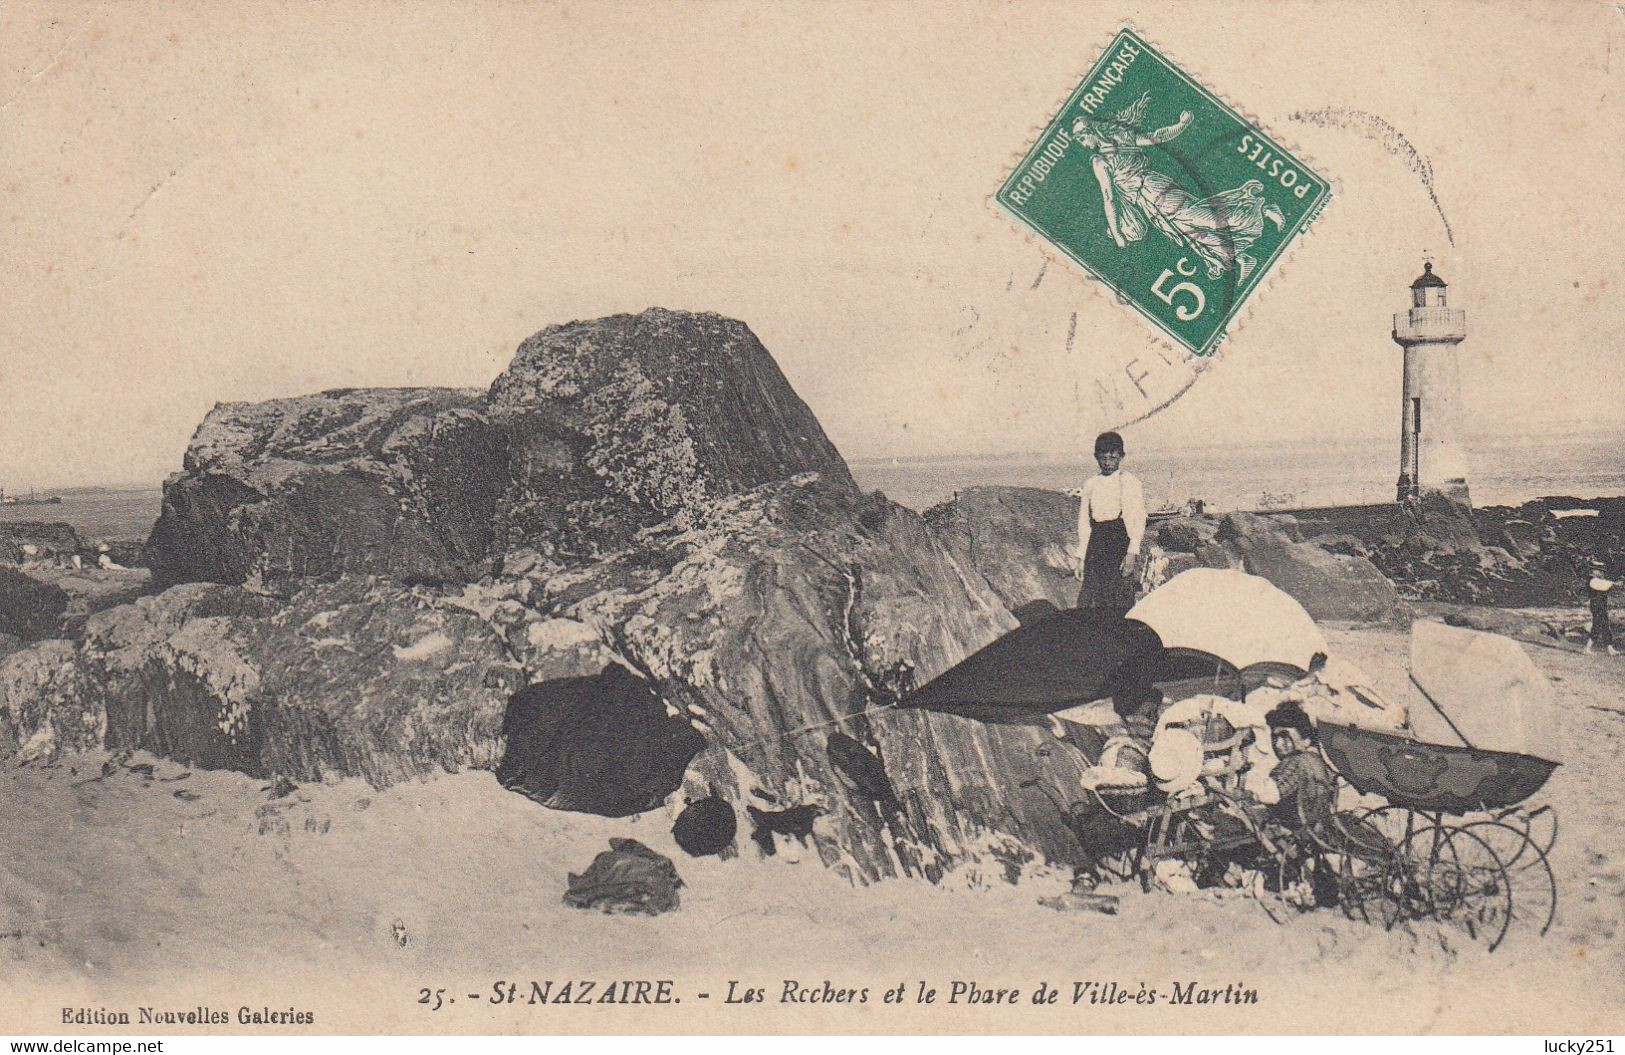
point(1163, 192)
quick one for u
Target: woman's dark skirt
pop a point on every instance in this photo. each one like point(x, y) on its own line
point(1104, 584)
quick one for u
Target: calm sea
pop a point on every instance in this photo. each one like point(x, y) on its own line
point(1504, 472)
point(96, 513)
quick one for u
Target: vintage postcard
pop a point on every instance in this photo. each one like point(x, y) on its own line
point(736, 518)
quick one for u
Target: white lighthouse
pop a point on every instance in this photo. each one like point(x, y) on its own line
point(1431, 458)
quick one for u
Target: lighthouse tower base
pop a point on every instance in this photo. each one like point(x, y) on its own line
point(1436, 520)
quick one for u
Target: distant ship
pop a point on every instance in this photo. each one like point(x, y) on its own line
point(32, 499)
point(1175, 507)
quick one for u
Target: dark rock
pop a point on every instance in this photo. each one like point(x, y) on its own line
point(1328, 585)
point(795, 823)
point(1522, 537)
point(1286, 524)
point(91, 589)
point(621, 423)
point(29, 608)
point(601, 744)
point(861, 770)
point(1344, 544)
point(1436, 522)
point(397, 482)
point(348, 679)
point(1019, 540)
point(10, 643)
point(596, 430)
point(628, 878)
point(48, 540)
point(1185, 534)
point(705, 827)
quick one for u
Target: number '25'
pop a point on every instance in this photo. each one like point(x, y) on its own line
point(1183, 311)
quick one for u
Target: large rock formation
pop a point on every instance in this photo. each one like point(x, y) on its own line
point(596, 430)
point(1329, 585)
point(373, 680)
point(401, 482)
point(1020, 540)
point(638, 501)
point(29, 608)
point(22, 541)
point(621, 423)
point(783, 620)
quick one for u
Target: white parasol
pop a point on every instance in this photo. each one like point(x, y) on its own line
point(1238, 617)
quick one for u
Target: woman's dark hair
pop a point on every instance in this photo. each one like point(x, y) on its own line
point(1291, 715)
point(1108, 443)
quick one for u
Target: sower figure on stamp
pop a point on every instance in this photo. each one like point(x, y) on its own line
point(1111, 523)
point(1219, 228)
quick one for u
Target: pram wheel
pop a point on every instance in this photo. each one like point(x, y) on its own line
point(1529, 878)
point(1462, 880)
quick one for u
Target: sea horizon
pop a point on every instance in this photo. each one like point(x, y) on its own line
point(1294, 473)
point(1254, 477)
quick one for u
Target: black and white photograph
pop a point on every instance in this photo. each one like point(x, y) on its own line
point(902, 518)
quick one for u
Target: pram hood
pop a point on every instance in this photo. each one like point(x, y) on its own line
point(1481, 690)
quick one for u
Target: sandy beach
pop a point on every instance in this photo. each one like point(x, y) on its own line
point(133, 889)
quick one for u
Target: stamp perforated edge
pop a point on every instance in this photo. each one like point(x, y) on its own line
point(1278, 264)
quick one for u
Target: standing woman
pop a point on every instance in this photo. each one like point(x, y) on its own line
point(1111, 522)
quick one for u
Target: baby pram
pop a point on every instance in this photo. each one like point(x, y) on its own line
point(1457, 844)
point(1452, 838)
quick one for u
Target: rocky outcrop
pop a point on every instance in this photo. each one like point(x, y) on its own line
point(779, 624)
point(1328, 585)
point(596, 430)
point(1431, 523)
point(29, 608)
point(48, 703)
point(1437, 550)
point(1019, 540)
point(377, 680)
point(621, 423)
point(402, 482)
point(789, 616)
point(22, 541)
point(640, 510)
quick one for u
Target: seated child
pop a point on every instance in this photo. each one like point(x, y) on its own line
point(1307, 788)
point(1307, 795)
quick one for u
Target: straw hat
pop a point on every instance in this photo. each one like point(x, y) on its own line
point(1176, 759)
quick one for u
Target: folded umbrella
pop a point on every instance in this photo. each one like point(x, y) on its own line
point(1057, 662)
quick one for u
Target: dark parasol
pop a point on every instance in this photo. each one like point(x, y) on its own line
point(1068, 658)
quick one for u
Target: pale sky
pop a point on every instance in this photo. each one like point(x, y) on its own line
point(208, 202)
